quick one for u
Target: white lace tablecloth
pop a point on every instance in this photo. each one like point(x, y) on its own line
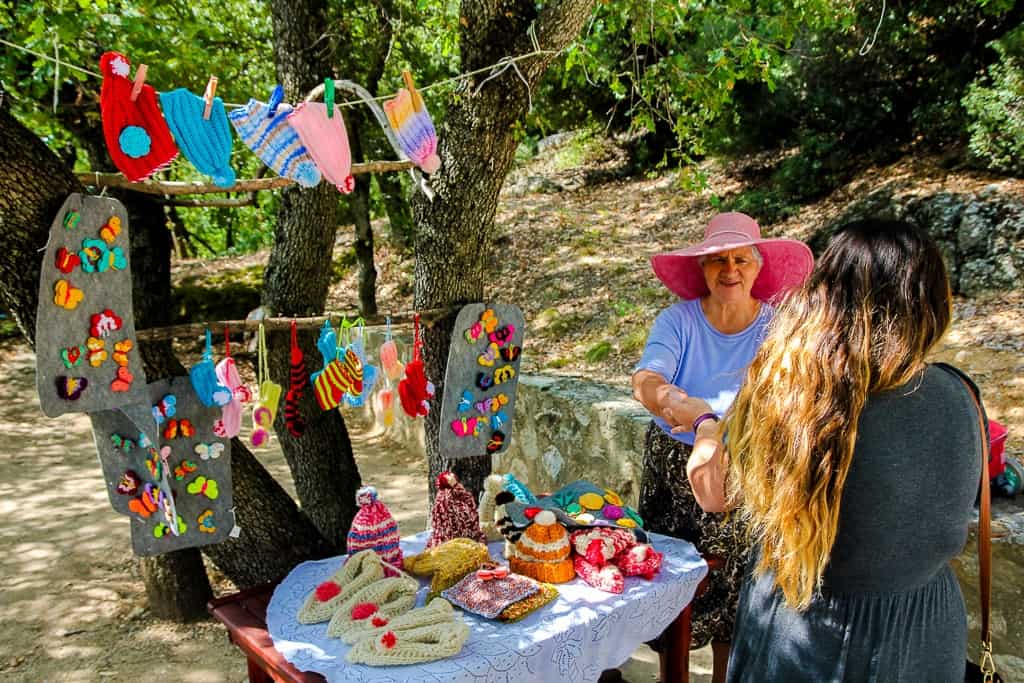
point(574, 638)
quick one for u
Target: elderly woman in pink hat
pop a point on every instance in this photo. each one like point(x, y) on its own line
point(697, 355)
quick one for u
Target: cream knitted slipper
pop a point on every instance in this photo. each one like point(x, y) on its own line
point(379, 601)
point(359, 571)
point(438, 611)
point(412, 646)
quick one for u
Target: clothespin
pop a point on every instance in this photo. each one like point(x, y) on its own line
point(140, 78)
point(276, 98)
point(211, 90)
point(329, 96)
point(414, 95)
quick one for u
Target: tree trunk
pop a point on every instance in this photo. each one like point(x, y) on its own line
point(359, 202)
point(296, 283)
point(396, 205)
point(454, 232)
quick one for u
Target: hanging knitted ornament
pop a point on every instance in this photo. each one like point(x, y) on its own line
point(454, 514)
point(204, 379)
point(389, 355)
point(327, 345)
point(265, 409)
point(296, 385)
point(370, 372)
point(415, 390)
point(205, 140)
point(139, 142)
point(384, 407)
point(265, 130)
point(322, 131)
point(413, 127)
point(230, 422)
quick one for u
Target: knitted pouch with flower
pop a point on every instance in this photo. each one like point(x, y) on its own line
point(490, 597)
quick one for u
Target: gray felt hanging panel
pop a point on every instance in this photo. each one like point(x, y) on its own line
point(182, 476)
point(480, 384)
point(87, 357)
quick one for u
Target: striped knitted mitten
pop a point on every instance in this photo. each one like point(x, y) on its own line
point(359, 571)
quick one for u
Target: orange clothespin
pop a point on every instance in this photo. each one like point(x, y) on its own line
point(140, 78)
point(211, 90)
point(414, 94)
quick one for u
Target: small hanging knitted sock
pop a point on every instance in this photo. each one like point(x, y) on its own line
point(265, 130)
point(296, 385)
point(415, 390)
point(138, 139)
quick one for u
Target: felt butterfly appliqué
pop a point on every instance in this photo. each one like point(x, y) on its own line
point(206, 522)
point(166, 408)
point(179, 428)
point(208, 451)
point(183, 469)
point(203, 486)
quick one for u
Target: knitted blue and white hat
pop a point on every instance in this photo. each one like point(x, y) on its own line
point(274, 141)
point(204, 142)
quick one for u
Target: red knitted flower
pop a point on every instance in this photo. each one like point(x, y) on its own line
point(388, 639)
point(327, 590)
point(379, 621)
point(363, 610)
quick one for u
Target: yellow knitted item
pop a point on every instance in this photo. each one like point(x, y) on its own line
point(384, 599)
point(545, 572)
point(529, 605)
point(448, 562)
point(359, 571)
point(412, 646)
point(542, 552)
point(437, 611)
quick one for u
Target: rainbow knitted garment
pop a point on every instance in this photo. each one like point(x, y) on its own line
point(274, 141)
point(139, 142)
point(414, 129)
point(205, 142)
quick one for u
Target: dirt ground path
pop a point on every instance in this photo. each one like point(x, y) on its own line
point(72, 603)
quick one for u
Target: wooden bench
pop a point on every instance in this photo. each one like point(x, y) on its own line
point(245, 616)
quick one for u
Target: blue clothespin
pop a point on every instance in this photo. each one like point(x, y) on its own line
point(276, 98)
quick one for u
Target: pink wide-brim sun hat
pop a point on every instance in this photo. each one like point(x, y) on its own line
point(787, 262)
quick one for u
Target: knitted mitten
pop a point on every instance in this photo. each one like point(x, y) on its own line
point(326, 140)
point(359, 571)
point(384, 599)
point(599, 545)
point(413, 646)
point(640, 560)
point(437, 611)
point(607, 578)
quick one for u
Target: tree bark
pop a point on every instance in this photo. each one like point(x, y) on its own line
point(297, 278)
point(454, 232)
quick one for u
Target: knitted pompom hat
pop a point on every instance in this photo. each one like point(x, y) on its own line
point(374, 527)
point(206, 142)
point(274, 141)
point(454, 514)
point(542, 552)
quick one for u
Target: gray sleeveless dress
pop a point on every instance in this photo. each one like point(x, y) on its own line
point(890, 607)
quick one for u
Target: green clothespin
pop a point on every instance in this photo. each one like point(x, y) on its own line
point(329, 96)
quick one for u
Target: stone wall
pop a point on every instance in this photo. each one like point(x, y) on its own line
point(567, 429)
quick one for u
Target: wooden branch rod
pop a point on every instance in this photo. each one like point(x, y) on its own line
point(117, 180)
point(427, 318)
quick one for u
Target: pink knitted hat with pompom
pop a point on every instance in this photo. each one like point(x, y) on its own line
point(454, 514)
point(374, 527)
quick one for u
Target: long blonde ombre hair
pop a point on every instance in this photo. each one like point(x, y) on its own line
point(875, 304)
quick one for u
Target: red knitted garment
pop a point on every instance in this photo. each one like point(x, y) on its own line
point(608, 578)
point(640, 560)
point(142, 116)
point(454, 514)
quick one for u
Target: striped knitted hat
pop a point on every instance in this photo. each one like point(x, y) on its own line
point(205, 142)
point(454, 514)
point(274, 141)
point(542, 552)
point(374, 527)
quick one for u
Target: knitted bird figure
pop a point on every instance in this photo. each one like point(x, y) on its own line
point(454, 514)
point(138, 139)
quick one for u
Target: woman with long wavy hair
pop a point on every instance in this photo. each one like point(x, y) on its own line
point(855, 464)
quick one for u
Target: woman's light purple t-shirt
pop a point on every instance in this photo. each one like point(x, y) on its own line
point(688, 352)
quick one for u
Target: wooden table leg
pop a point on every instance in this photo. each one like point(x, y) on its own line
point(674, 658)
point(256, 672)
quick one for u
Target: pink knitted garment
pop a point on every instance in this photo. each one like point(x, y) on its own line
point(640, 560)
point(374, 527)
point(454, 514)
point(607, 578)
point(326, 140)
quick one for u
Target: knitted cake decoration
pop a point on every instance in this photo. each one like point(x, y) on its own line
point(206, 143)
point(369, 606)
point(326, 140)
point(542, 552)
point(359, 571)
point(274, 141)
point(454, 514)
point(448, 563)
point(374, 528)
point(138, 139)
